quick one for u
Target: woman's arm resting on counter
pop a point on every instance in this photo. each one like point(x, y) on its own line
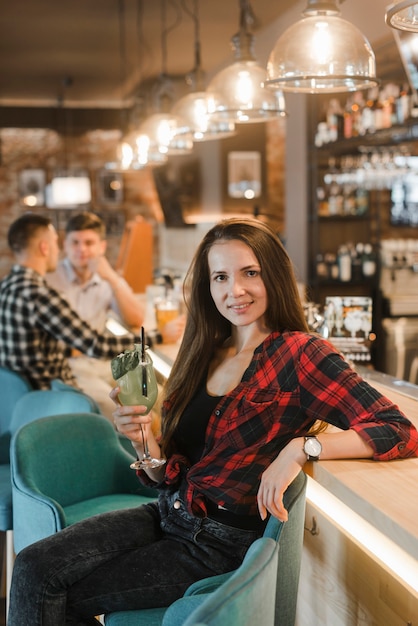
point(277, 477)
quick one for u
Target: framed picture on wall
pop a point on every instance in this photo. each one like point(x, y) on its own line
point(31, 185)
point(244, 175)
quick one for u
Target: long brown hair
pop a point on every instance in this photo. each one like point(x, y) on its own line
point(206, 329)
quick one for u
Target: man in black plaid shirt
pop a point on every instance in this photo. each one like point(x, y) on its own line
point(38, 328)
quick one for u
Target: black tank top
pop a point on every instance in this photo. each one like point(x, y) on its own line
point(190, 433)
point(190, 441)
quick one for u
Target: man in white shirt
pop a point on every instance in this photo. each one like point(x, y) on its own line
point(89, 282)
point(95, 290)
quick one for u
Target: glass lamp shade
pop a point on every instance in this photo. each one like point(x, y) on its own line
point(241, 97)
point(322, 53)
point(167, 134)
point(136, 153)
point(194, 109)
point(403, 15)
point(125, 155)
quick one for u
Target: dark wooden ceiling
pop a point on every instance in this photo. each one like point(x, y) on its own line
point(91, 55)
point(106, 47)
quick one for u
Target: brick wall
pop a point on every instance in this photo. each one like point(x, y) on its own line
point(44, 149)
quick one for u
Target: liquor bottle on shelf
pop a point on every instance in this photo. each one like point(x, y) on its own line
point(335, 199)
point(368, 261)
point(344, 264)
point(403, 105)
point(362, 200)
point(335, 120)
point(357, 262)
point(368, 113)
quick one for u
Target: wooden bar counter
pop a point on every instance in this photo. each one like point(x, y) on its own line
point(384, 493)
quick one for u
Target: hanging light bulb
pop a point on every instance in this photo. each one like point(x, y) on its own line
point(322, 53)
point(136, 152)
point(195, 107)
point(167, 134)
point(403, 15)
point(238, 90)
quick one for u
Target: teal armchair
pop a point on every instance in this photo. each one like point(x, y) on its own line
point(66, 468)
point(41, 403)
point(186, 610)
point(13, 386)
point(247, 597)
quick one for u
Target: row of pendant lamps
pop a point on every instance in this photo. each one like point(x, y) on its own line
point(321, 53)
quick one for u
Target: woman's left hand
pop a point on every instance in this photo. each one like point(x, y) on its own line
point(277, 477)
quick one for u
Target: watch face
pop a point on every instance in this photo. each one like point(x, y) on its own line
point(312, 447)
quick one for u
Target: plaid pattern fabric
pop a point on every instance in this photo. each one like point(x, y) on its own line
point(37, 325)
point(293, 380)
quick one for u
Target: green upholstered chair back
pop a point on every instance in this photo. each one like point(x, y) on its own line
point(56, 454)
point(12, 387)
point(42, 403)
point(66, 468)
point(290, 536)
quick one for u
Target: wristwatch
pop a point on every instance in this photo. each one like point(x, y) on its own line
point(312, 448)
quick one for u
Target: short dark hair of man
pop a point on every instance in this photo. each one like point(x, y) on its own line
point(86, 221)
point(24, 229)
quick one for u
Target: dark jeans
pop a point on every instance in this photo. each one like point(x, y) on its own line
point(130, 559)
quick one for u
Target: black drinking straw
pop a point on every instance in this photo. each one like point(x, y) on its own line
point(142, 344)
point(144, 367)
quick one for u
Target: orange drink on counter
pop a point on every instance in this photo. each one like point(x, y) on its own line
point(166, 310)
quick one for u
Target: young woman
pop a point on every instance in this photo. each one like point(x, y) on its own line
point(249, 384)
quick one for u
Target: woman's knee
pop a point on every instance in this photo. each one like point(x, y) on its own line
point(30, 564)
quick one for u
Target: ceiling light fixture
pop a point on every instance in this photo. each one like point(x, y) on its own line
point(195, 107)
point(322, 53)
point(239, 91)
point(403, 15)
point(134, 151)
point(167, 133)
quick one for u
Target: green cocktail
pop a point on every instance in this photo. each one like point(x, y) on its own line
point(134, 372)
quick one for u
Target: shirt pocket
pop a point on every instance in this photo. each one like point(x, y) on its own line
point(253, 418)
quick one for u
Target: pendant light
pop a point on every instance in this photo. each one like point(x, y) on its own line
point(195, 107)
point(132, 152)
point(166, 133)
point(239, 91)
point(135, 152)
point(403, 15)
point(322, 53)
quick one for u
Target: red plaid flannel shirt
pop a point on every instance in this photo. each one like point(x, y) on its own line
point(293, 380)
